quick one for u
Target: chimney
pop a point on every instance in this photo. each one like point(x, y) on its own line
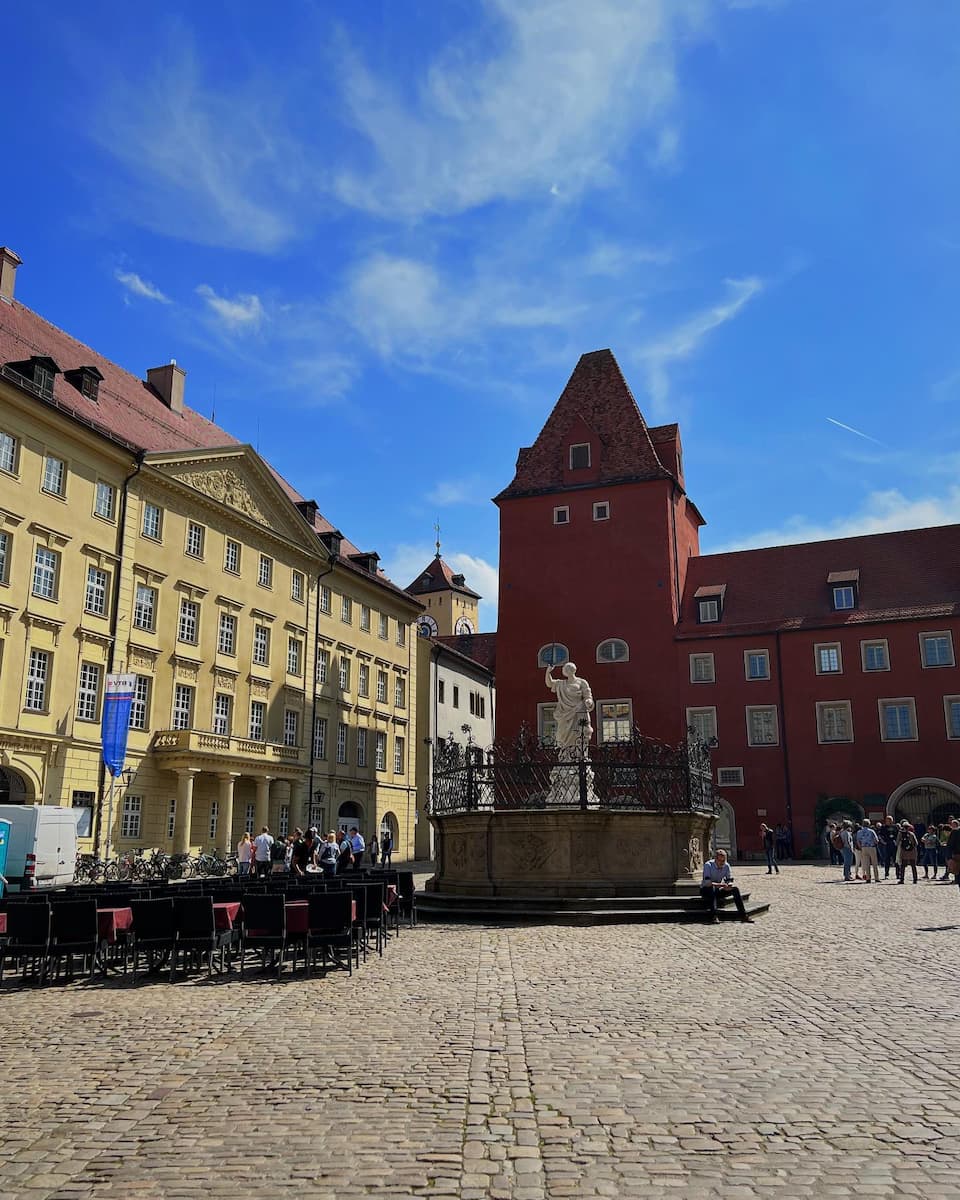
point(167, 382)
point(8, 273)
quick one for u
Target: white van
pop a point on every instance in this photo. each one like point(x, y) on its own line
point(43, 845)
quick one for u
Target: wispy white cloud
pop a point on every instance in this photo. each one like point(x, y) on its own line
point(859, 432)
point(881, 512)
point(447, 492)
point(138, 286)
point(684, 340)
point(551, 113)
point(405, 561)
point(243, 312)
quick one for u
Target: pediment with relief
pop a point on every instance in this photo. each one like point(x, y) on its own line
point(228, 487)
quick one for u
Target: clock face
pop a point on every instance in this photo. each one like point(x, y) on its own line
point(463, 626)
point(427, 626)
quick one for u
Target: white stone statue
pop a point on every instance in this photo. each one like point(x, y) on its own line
point(573, 709)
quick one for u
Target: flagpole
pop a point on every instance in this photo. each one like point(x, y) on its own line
point(110, 815)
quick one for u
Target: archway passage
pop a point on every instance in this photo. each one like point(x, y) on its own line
point(350, 814)
point(925, 802)
point(389, 824)
point(725, 831)
point(14, 788)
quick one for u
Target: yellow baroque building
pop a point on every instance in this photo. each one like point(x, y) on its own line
point(275, 663)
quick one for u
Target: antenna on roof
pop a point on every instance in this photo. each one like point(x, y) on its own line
point(436, 529)
point(213, 411)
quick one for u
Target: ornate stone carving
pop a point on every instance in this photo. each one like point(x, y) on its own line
point(224, 682)
point(142, 660)
point(187, 670)
point(259, 689)
point(573, 708)
point(229, 488)
point(691, 857)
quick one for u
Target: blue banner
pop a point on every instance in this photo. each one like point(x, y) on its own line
point(117, 699)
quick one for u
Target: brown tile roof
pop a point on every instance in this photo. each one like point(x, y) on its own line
point(481, 648)
point(913, 574)
point(598, 393)
point(437, 576)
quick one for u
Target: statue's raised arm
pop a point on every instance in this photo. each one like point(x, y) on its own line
point(573, 707)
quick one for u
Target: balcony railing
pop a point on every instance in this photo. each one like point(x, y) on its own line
point(197, 741)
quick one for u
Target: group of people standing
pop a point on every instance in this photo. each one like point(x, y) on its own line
point(864, 848)
point(301, 853)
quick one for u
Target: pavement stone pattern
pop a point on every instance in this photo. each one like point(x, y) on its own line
point(807, 1055)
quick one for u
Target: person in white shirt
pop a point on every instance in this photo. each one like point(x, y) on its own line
point(244, 854)
point(718, 881)
point(357, 845)
point(261, 851)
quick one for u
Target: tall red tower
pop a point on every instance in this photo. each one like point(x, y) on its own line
point(595, 533)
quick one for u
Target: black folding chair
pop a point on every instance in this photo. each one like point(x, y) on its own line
point(373, 919)
point(330, 929)
point(154, 932)
point(28, 939)
point(197, 933)
point(264, 928)
point(406, 897)
point(74, 933)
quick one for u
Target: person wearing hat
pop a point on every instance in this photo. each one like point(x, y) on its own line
point(906, 852)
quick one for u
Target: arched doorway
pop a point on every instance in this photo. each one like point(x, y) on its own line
point(725, 830)
point(14, 789)
point(925, 801)
point(389, 824)
point(350, 814)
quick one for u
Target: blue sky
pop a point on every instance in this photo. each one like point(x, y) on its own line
point(379, 236)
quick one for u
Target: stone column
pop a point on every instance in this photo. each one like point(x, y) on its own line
point(184, 817)
point(263, 802)
point(298, 812)
point(225, 827)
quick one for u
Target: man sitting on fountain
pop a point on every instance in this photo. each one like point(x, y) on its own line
point(717, 882)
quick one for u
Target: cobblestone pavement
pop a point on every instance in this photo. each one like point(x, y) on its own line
point(777, 1059)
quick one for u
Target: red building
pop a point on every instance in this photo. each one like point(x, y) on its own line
point(825, 673)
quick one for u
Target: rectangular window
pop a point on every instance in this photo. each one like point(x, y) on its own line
point(399, 750)
point(473, 704)
point(291, 727)
point(381, 687)
point(95, 598)
point(46, 567)
point(708, 611)
point(762, 725)
point(346, 610)
point(363, 685)
point(105, 500)
point(152, 526)
point(265, 571)
point(756, 664)
point(456, 696)
point(320, 737)
point(615, 720)
point(365, 617)
point(951, 709)
point(8, 453)
point(936, 649)
point(401, 634)
point(38, 678)
point(400, 692)
point(145, 608)
point(261, 645)
point(54, 475)
point(131, 816)
point(297, 586)
point(4, 557)
point(222, 714)
point(231, 557)
point(83, 800)
point(88, 693)
point(384, 626)
point(249, 817)
point(702, 668)
point(140, 706)
point(361, 747)
point(258, 719)
point(601, 511)
point(324, 598)
point(834, 721)
point(875, 656)
point(323, 666)
point(561, 515)
point(380, 753)
point(898, 720)
point(214, 818)
point(182, 706)
point(172, 817)
point(580, 456)
point(344, 673)
point(283, 820)
point(227, 634)
point(196, 536)
point(341, 742)
point(294, 656)
point(828, 659)
point(547, 723)
point(730, 776)
point(844, 597)
point(188, 626)
point(441, 692)
point(703, 722)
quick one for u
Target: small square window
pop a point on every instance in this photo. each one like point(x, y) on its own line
point(875, 656)
point(702, 668)
point(561, 516)
point(708, 611)
point(828, 659)
point(580, 456)
point(756, 664)
point(730, 776)
point(936, 649)
point(844, 597)
point(601, 511)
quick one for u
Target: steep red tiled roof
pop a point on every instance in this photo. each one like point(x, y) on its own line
point(481, 648)
point(437, 576)
point(598, 393)
point(663, 433)
point(913, 574)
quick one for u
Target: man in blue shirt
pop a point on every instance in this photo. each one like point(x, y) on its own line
point(718, 881)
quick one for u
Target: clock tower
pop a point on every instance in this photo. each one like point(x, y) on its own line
point(451, 606)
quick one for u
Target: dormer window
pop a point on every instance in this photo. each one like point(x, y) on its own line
point(580, 456)
point(86, 380)
point(844, 586)
point(38, 370)
point(709, 602)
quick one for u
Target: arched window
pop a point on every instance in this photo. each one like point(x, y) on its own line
point(613, 650)
point(554, 654)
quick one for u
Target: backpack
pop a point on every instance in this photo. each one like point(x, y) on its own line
point(836, 841)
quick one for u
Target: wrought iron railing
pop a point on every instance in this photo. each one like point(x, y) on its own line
point(639, 774)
